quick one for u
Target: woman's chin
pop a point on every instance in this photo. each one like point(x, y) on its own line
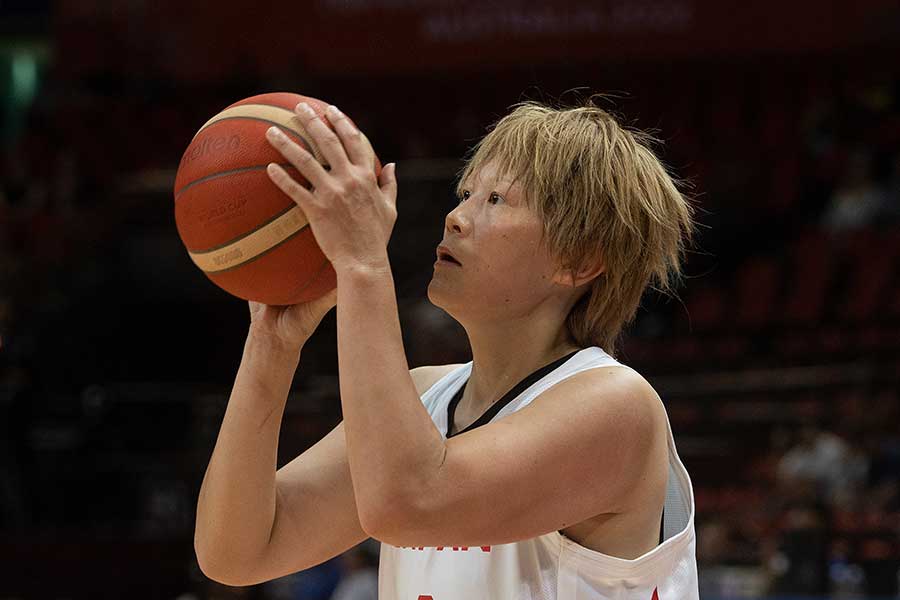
point(439, 295)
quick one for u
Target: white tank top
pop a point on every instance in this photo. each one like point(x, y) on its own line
point(550, 566)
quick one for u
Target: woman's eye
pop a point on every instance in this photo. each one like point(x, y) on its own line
point(466, 194)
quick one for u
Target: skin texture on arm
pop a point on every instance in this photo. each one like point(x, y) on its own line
point(237, 501)
point(314, 516)
point(316, 506)
point(378, 395)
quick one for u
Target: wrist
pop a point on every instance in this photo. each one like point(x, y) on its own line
point(267, 367)
point(377, 267)
point(273, 346)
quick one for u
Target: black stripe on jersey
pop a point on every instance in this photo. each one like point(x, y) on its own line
point(662, 520)
point(496, 407)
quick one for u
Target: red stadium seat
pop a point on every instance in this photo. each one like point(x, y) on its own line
point(871, 263)
point(758, 282)
point(705, 307)
point(809, 277)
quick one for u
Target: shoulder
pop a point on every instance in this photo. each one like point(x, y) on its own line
point(615, 396)
point(606, 380)
point(613, 410)
point(426, 376)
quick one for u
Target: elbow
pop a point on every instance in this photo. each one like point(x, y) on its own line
point(387, 531)
point(395, 521)
point(220, 569)
point(403, 510)
point(375, 519)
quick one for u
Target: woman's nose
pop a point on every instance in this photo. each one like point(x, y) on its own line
point(456, 221)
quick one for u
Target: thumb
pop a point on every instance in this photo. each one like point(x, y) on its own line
point(388, 180)
point(311, 313)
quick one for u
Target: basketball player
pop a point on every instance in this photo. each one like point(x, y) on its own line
point(543, 468)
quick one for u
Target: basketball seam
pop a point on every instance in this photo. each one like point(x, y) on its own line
point(307, 139)
point(226, 173)
point(206, 125)
point(309, 148)
point(269, 121)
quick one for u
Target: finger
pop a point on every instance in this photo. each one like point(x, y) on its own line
point(318, 308)
point(256, 310)
point(298, 156)
point(388, 182)
point(358, 148)
point(290, 186)
point(326, 139)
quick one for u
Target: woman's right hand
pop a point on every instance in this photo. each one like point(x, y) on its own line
point(290, 326)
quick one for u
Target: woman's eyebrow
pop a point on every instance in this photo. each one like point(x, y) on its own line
point(504, 185)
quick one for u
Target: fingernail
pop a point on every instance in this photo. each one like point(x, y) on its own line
point(332, 109)
point(272, 169)
point(274, 132)
point(306, 109)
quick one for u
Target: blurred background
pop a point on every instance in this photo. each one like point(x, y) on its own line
point(778, 362)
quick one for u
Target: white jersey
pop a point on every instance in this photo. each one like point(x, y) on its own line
point(550, 566)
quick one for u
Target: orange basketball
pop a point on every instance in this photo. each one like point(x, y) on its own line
point(244, 233)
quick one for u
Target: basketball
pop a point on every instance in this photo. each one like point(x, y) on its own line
point(246, 235)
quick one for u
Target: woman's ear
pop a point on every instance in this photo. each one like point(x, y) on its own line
point(569, 277)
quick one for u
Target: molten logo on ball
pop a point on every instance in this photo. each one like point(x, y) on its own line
point(210, 145)
point(228, 210)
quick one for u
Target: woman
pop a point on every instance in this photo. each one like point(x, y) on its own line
point(541, 468)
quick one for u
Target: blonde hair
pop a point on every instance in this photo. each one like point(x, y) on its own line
point(601, 193)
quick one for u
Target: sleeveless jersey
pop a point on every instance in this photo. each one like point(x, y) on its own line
point(550, 566)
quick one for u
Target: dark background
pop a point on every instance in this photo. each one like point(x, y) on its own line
point(778, 362)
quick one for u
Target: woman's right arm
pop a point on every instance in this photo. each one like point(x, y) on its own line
point(254, 524)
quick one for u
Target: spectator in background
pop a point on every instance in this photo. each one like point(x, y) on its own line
point(892, 190)
point(826, 462)
point(858, 199)
point(799, 565)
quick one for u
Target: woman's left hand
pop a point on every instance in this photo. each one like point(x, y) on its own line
point(350, 210)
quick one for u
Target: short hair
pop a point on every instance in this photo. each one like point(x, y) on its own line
point(600, 192)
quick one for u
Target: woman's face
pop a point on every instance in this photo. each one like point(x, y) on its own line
point(505, 270)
